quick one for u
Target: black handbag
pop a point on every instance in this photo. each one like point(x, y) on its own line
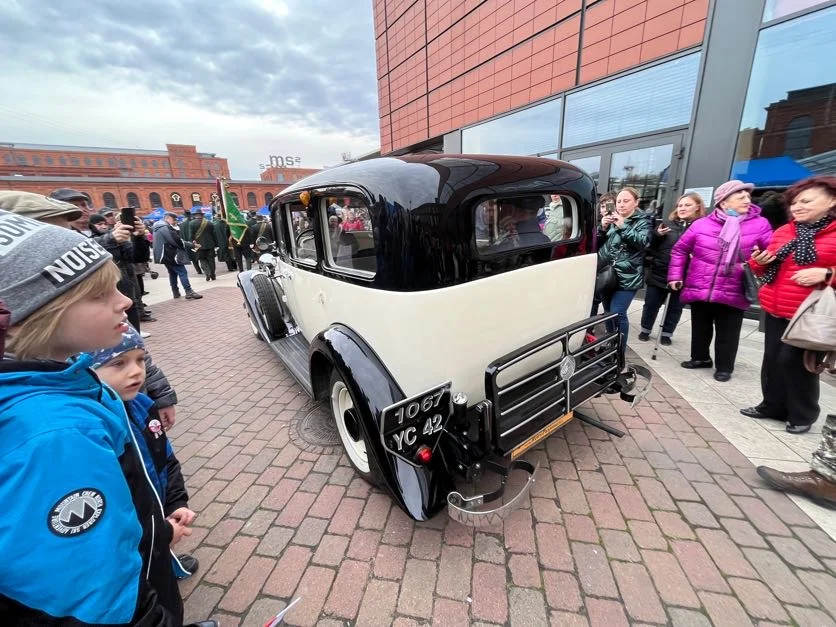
point(606, 280)
point(751, 283)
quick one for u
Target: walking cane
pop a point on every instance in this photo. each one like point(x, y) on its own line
point(661, 325)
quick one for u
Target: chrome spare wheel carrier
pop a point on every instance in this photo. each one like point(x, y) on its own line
point(471, 510)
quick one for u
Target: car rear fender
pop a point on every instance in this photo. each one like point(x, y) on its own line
point(421, 491)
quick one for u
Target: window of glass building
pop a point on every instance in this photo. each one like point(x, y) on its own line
point(775, 9)
point(788, 128)
point(657, 98)
point(526, 132)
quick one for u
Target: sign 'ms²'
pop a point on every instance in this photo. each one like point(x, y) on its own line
point(277, 161)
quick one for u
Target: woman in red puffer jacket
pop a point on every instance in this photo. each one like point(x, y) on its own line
point(800, 258)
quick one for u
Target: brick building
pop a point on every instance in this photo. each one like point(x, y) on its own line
point(286, 175)
point(651, 93)
point(175, 178)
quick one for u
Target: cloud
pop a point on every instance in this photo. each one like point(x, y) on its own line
point(294, 64)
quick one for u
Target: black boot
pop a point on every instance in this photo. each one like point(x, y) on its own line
point(176, 293)
point(192, 295)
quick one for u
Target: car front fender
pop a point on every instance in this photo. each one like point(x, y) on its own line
point(245, 284)
point(421, 491)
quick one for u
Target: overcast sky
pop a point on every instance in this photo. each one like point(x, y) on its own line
point(241, 78)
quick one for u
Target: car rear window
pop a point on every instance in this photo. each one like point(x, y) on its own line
point(519, 222)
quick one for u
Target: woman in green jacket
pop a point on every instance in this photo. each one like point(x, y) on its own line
point(626, 237)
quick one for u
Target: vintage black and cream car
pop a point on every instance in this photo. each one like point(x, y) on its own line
point(439, 304)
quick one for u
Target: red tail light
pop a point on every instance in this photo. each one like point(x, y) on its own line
point(423, 455)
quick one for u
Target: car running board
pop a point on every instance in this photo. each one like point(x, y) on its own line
point(293, 351)
point(468, 510)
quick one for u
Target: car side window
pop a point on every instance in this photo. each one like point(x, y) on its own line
point(349, 239)
point(504, 224)
point(302, 238)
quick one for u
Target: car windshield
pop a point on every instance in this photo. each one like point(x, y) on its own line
point(503, 224)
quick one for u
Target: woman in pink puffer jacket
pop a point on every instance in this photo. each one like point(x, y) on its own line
point(707, 265)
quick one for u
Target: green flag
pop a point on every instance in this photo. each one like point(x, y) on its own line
point(234, 219)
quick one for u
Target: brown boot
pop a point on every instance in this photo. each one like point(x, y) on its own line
point(810, 484)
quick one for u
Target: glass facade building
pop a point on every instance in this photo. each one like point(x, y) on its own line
point(663, 96)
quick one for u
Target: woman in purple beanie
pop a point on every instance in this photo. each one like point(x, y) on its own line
point(707, 265)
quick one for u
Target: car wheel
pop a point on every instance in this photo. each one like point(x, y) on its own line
point(353, 437)
point(270, 307)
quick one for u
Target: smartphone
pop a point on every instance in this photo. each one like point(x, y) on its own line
point(657, 222)
point(127, 216)
point(610, 208)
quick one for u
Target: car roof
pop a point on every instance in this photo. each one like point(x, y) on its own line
point(413, 181)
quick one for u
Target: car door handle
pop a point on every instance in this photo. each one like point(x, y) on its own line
point(286, 275)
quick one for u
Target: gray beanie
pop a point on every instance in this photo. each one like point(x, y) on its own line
point(39, 262)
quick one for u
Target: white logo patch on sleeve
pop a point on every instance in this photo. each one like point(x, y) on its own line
point(76, 512)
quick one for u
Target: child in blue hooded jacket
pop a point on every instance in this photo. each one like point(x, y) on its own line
point(122, 367)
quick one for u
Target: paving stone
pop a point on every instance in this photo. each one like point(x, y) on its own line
point(605, 511)
point(389, 562)
point(288, 571)
point(527, 608)
point(594, 570)
point(822, 585)
point(331, 550)
point(726, 555)
point(571, 497)
point(817, 541)
point(347, 591)
point(260, 612)
point(647, 535)
point(453, 613)
point(274, 541)
point(553, 547)
point(670, 579)
point(616, 473)
point(655, 494)
point(761, 516)
point(489, 549)
point(743, 533)
point(201, 602)
point(724, 610)
point(688, 618)
point(459, 535)
point(525, 571)
point(795, 553)
point(490, 601)
point(809, 617)
point(619, 545)
point(247, 584)
point(778, 577)
point(639, 467)
point(519, 534)
point(544, 510)
point(639, 595)
point(562, 590)
point(225, 569)
point(698, 515)
point(698, 566)
point(454, 572)
point(593, 481)
point(605, 613)
point(310, 531)
point(313, 589)
point(677, 485)
point(717, 500)
point(784, 508)
point(581, 528)
point(758, 600)
point(566, 619)
point(631, 502)
point(416, 597)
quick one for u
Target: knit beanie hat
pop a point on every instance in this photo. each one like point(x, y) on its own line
point(39, 262)
point(96, 219)
point(130, 340)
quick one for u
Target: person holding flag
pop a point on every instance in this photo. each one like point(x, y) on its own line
point(237, 225)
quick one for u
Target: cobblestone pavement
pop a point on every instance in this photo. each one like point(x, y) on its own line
point(668, 525)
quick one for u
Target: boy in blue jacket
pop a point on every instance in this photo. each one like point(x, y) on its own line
point(122, 367)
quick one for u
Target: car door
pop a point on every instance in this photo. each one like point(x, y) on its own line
point(298, 268)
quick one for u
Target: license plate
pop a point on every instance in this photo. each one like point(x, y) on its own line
point(415, 422)
point(541, 435)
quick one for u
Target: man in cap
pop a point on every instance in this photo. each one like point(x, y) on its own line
point(170, 250)
point(80, 200)
point(40, 208)
point(202, 233)
point(45, 209)
point(109, 215)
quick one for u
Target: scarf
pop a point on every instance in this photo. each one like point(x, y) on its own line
point(729, 240)
point(803, 247)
